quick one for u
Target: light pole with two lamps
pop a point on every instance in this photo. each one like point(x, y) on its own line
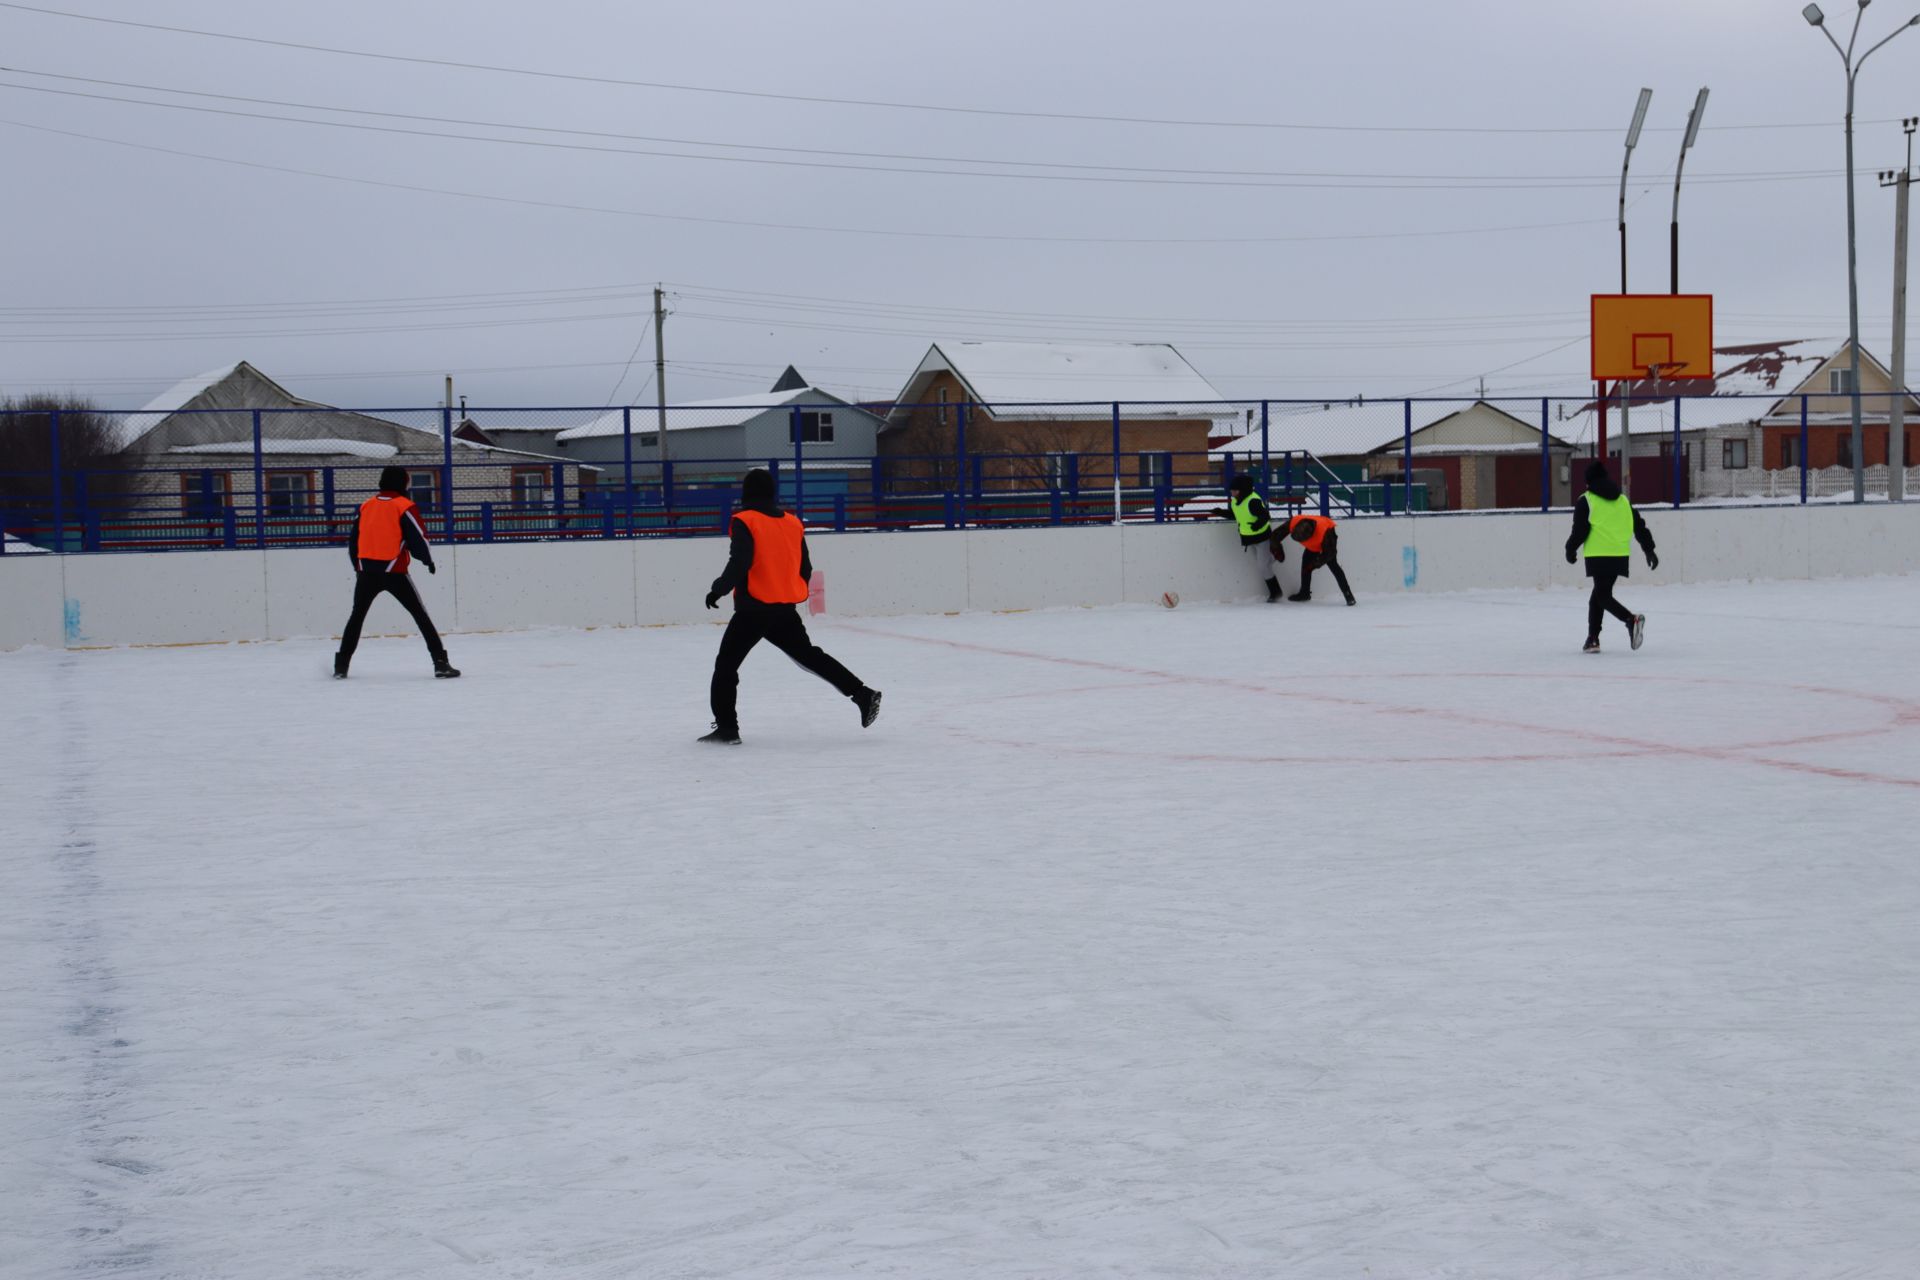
point(1816, 18)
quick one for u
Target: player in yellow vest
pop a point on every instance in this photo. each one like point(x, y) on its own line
point(1606, 526)
point(768, 571)
point(1248, 511)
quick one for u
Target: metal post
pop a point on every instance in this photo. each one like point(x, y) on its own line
point(259, 486)
point(1266, 471)
point(1673, 228)
point(1676, 453)
point(59, 482)
point(1406, 452)
point(799, 471)
point(1626, 442)
point(446, 472)
point(1853, 316)
point(1116, 463)
point(1546, 460)
point(660, 370)
point(960, 458)
point(626, 459)
point(1633, 138)
point(1803, 449)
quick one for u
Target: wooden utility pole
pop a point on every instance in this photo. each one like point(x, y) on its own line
point(1897, 415)
point(660, 372)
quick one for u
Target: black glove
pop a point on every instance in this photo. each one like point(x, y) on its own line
point(713, 599)
point(430, 568)
point(1573, 557)
point(1653, 561)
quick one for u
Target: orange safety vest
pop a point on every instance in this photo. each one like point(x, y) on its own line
point(774, 577)
point(380, 537)
point(1316, 528)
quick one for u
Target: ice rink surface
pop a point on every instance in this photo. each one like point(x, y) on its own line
point(1301, 941)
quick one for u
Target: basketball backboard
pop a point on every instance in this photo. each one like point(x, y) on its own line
point(1642, 335)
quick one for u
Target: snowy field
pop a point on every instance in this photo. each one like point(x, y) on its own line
point(1303, 941)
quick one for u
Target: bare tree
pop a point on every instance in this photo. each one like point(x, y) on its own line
point(92, 471)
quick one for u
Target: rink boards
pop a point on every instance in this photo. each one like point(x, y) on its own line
point(82, 601)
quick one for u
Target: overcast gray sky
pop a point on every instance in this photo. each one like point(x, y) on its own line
point(1498, 120)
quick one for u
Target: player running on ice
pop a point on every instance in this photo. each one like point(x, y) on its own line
point(767, 571)
point(1606, 526)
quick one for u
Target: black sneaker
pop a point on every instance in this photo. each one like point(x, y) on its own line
point(868, 700)
point(1351, 602)
point(339, 667)
point(1301, 595)
point(1591, 646)
point(444, 670)
point(1638, 629)
point(721, 737)
point(1273, 591)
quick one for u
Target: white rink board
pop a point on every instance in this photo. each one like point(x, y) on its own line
point(247, 595)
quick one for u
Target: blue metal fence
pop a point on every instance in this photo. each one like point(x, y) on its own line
point(280, 477)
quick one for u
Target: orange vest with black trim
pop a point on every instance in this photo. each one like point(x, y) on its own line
point(380, 537)
point(774, 577)
point(1316, 529)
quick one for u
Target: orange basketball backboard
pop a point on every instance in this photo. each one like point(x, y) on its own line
point(1642, 335)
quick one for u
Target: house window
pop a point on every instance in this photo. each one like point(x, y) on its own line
point(1840, 381)
point(649, 440)
point(1843, 449)
point(420, 487)
point(205, 493)
point(943, 406)
point(1789, 453)
point(1733, 455)
point(1058, 466)
point(529, 487)
point(289, 493)
point(1153, 470)
point(815, 428)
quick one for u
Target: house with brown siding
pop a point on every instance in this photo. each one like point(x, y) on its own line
point(1035, 416)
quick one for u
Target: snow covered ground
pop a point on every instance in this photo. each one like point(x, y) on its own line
point(1303, 941)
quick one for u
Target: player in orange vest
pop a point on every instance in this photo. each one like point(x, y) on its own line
point(386, 537)
point(768, 571)
point(1317, 537)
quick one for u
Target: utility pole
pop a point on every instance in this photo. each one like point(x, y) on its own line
point(1897, 415)
point(660, 375)
point(1633, 140)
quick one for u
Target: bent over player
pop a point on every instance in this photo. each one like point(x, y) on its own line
point(1606, 526)
point(1319, 539)
point(768, 570)
point(386, 536)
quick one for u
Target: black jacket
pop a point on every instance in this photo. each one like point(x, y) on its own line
point(1609, 489)
point(740, 559)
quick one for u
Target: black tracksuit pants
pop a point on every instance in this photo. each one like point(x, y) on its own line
point(1328, 555)
point(367, 586)
point(1601, 602)
point(780, 626)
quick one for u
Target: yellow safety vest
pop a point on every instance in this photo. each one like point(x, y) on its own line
point(1609, 525)
point(1251, 526)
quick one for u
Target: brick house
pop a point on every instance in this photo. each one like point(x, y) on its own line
point(1039, 416)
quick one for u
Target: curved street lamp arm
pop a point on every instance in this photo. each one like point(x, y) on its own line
point(1837, 49)
point(1854, 39)
point(1869, 53)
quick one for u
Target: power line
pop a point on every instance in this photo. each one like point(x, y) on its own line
point(823, 100)
point(793, 226)
point(1305, 181)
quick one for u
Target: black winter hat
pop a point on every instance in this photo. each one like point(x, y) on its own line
point(756, 488)
point(1241, 483)
point(393, 479)
point(1597, 473)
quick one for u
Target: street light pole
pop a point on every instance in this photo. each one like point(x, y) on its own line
point(1673, 229)
point(1816, 18)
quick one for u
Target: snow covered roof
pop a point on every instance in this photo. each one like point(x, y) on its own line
point(21, 547)
point(355, 448)
point(1350, 428)
point(693, 415)
point(175, 398)
point(1093, 374)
